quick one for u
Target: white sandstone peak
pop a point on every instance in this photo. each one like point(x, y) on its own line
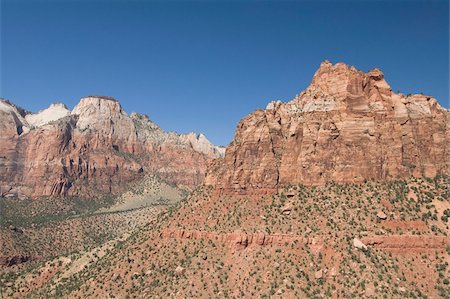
point(52, 113)
point(273, 104)
point(201, 144)
point(99, 105)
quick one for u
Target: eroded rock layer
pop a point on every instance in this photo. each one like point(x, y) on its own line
point(93, 150)
point(347, 126)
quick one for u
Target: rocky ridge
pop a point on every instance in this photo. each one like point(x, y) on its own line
point(95, 149)
point(347, 126)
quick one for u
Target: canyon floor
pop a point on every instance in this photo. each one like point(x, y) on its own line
point(378, 240)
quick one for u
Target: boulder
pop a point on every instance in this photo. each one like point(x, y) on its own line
point(318, 274)
point(333, 272)
point(381, 215)
point(369, 291)
point(359, 244)
point(180, 270)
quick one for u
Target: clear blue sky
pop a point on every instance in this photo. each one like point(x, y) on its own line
point(201, 66)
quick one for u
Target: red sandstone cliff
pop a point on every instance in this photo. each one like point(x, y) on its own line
point(93, 150)
point(347, 126)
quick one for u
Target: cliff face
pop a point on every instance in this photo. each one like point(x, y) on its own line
point(347, 126)
point(93, 150)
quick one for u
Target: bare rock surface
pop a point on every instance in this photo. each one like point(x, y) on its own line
point(52, 113)
point(381, 215)
point(347, 126)
point(93, 150)
point(357, 243)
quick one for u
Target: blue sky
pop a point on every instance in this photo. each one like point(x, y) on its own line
point(201, 65)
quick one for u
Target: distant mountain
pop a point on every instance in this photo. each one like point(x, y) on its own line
point(93, 150)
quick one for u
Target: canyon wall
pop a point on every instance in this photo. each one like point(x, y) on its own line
point(347, 126)
point(93, 150)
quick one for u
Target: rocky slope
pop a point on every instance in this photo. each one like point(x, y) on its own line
point(93, 150)
point(372, 240)
point(347, 126)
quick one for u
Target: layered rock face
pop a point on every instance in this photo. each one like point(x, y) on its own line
point(347, 126)
point(93, 150)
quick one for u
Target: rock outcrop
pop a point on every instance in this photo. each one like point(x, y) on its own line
point(52, 113)
point(93, 150)
point(202, 145)
point(242, 240)
point(239, 239)
point(347, 126)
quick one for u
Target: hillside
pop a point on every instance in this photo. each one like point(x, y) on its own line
point(300, 242)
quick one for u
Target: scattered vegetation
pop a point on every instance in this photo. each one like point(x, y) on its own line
point(322, 263)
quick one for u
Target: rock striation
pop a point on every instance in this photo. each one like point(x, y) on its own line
point(93, 150)
point(347, 126)
point(240, 239)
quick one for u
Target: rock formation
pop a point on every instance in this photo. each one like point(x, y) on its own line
point(347, 126)
point(52, 113)
point(239, 239)
point(93, 150)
